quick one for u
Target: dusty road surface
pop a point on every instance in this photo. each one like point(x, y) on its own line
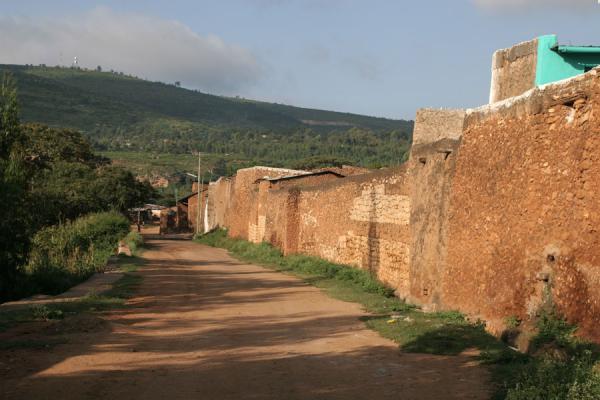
point(205, 326)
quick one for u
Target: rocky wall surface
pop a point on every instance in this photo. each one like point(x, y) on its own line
point(524, 217)
point(192, 210)
point(513, 70)
point(433, 155)
point(243, 216)
point(218, 203)
point(497, 213)
point(360, 221)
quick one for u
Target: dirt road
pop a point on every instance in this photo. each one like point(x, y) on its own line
point(205, 326)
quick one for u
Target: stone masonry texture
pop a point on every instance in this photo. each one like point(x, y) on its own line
point(524, 217)
point(496, 214)
point(432, 161)
point(513, 70)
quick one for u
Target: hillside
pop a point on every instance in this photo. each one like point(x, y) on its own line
point(120, 112)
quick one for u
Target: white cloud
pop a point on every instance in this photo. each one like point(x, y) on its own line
point(525, 4)
point(148, 47)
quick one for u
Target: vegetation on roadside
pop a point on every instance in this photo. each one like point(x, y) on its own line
point(66, 254)
point(135, 241)
point(310, 267)
point(560, 366)
point(48, 179)
point(115, 297)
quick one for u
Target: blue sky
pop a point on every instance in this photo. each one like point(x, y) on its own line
point(382, 58)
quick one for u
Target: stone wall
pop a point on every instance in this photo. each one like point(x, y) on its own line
point(497, 213)
point(436, 140)
point(218, 203)
point(243, 207)
point(513, 70)
point(524, 223)
point(192, 209)
point(278, 208)
point(361, 221)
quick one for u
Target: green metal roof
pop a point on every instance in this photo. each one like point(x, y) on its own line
point(556, 62)
point(577, 49)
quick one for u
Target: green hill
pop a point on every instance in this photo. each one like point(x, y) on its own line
point(124, 113)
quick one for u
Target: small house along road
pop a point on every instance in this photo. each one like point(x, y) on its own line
point(205, 326)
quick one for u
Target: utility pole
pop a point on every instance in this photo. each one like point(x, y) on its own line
point(200, 199)
point(199, 196)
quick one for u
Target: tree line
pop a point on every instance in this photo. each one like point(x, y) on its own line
point(356, 146)
point(48, 177)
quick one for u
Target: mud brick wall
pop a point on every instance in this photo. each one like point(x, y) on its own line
point(192, 209)
point(278, 209)
point(360, 221)
point(258, 217)
point(436, 140)
point(276, 218)
point(524, 217)
point(513, 70)
point(243, 216)
point(218, 203)
point(497, 213)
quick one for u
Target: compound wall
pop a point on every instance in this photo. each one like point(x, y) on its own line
point(524, 216)
point(218, 203)
point(497, 213)
point(360, 221)
point(436, 140)
point(514, 70)
point(192, 210)
point(243, 219)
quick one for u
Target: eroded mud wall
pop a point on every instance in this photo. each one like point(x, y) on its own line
point(360, 221)
point(279, 209)
point(192, 209)
point(513, 70)
point(218, 203)
point(524, 217)
point(243, 213)
point(436, 139)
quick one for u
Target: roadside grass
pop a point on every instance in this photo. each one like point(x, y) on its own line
point(135, 241)
point(416, 331)
point(115, 297)
point(568, 373)
point(68, 253)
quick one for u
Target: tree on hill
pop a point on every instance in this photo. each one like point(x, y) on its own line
point(49, 176)
point(220, 167)
point(15, 224)
point(120, 113)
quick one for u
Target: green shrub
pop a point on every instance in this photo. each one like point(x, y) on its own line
point(562, 366)
point(134, 241)
point(551, 379)
point(553, 328)
point(44, 313)
point(66, 254)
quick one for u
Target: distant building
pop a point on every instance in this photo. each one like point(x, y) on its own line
point(538, 62)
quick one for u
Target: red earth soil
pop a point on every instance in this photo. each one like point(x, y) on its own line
point(203, 325)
